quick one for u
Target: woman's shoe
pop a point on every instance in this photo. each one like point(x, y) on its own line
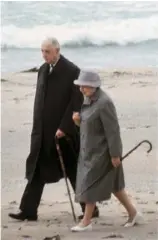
point(137, 219)
point(81, 228)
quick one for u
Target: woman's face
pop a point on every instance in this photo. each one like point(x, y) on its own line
point(87, 91)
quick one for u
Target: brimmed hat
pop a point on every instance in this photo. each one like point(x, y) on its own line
point(87, 78)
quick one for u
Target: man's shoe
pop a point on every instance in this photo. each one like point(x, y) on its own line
point(95, 214)
point(21, 216)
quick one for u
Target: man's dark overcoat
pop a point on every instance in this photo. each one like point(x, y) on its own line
point(55, 100)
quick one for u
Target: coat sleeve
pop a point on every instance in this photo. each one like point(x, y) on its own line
point(76, 100)
point(35, 102)
point(111, 127)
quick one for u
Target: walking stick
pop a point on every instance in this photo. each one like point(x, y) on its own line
point(133, 149)
point(65, 176)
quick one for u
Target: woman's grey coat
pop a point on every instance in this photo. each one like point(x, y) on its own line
point(100, 141)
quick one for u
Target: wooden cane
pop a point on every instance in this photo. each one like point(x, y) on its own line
point(65, 176)
point(133, 149)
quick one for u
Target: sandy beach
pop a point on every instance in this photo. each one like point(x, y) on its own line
point(134, 92)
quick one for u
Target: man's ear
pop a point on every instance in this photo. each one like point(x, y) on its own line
point(58, 50)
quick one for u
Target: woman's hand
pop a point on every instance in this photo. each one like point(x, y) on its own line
point(116, 161)
point(76, 118)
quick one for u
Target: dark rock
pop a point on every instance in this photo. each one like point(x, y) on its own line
point(3, 80)
point(13, 203)
point(35, 69)
point(117, 73)
point(57, 237)
point(114, 236)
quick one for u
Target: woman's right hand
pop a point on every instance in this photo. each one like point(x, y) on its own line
point(76, 118)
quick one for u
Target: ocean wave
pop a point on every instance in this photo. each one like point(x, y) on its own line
point(111, 32)
point(85, 44)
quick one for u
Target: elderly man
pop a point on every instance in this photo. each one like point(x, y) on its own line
point(55, 101)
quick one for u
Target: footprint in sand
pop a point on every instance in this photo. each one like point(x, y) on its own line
point(147, 126)
point(151, 192)
point(144, 85)
point(106, 224)
point(5, 226)
point(26, 237)
point(142, 202)
point(17, 100)
point(138, 191)
point(8, 90)
point(112, 86)
point(131, 127)
point(151, 233)
point(104, 203)
point(11, 131)
point(150, 212)
point(26, 123)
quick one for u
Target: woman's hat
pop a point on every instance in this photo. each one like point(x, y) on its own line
point(89, 79)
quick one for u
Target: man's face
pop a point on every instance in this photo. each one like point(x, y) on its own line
point(49, 53)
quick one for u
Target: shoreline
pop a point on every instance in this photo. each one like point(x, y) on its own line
point(115, 70)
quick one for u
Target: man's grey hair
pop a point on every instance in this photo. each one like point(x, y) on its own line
point(53, 41)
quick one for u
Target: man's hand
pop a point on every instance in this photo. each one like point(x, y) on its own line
point(116, 161)
point(59, 134)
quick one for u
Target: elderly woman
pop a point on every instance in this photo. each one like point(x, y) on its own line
point(100, 151)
